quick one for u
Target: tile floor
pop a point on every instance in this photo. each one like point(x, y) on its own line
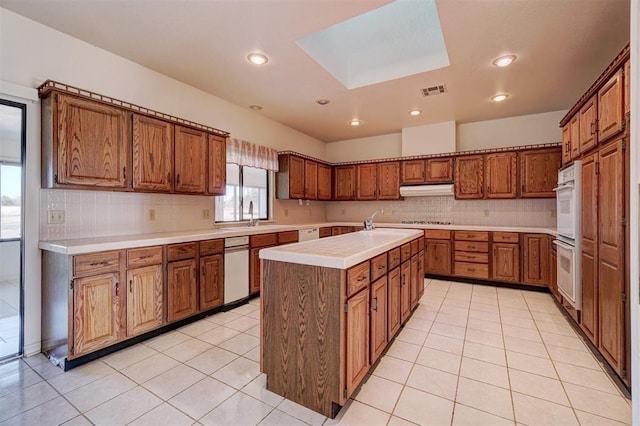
point(9, 317)
point(470, 355)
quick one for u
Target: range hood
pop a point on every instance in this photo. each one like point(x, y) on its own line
point(442, 189)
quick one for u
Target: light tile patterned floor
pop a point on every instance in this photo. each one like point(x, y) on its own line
point(470, 355)
point(9, 317)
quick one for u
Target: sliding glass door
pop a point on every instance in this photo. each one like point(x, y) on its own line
point(12, 143)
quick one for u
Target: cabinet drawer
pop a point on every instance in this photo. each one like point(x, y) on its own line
point(471, 236)
point(405, 252)
point(466, 256)
point(357, 278)
point(437, 234)
point(145, 256)
point(94, 263)
point(263, 240)
point(211, 247)
point(505, 237)
point(181, 251)
point(475, 270)
point(287, 237)
point(472, 246)
point(378, 266)
point(420, 243)
point(325, 231)
point(394, 258)
point(414, 247)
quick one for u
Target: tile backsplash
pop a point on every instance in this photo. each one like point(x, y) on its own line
point(520, 212)
point(105, 213)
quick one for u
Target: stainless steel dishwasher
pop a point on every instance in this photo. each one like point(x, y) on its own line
point(236, 269)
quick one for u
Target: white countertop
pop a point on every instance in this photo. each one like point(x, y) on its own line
point(342, 251)
point(95, 244)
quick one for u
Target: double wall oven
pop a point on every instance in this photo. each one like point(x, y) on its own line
point(569, 229)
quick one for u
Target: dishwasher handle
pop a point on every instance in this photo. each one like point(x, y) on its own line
point(235, 249)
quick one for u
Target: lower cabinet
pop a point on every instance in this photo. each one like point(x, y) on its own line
point(357, 331)
point(535, 259)
point(378, 317)
point(211, 281)
point(145, 302)
point(182, 285)
point(405, 290)
point(393, 311)
point(506, 262)
point(414, 290)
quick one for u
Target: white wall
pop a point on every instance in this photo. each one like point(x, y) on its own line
point(435, 138)
point(530, 129)
point(371, 148)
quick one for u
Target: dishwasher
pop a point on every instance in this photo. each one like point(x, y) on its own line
point(236, 269)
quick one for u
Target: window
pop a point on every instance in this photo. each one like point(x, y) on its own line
point(11, 135)
point(245, 185)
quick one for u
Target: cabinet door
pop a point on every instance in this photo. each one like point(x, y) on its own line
point(506, 262)
point(588, 117)
point(536, 259)
point(190, 160)
point(420, 274)
point(393, 307)
point(439, 170)
point(389, 181)
point(627, 86)
point(254, 271)
point(152, 154)
point(296, 177)
point(539, 173)
point(96, 313)
point(344, 185)
point(211, 281)
point(611, 252)
point(93, 143)
point(413, 171)
point(574, 124)
point(217, 165)
point(566, 144)
point(378, 318)
point(324, 182)
point(502, 175)
point(405, 290)
point(610, 107)
point(367, 187)
point(144, 299)
point(469, 177)
point(438, 257)
point(414, 290)
point(310, 180)
point(182, 289)
point(357, 350)
point(589, 251)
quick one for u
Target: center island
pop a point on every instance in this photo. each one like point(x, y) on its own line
point(330, 307)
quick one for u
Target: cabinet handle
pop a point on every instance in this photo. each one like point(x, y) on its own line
point(105, 263)
point(362, 278)
point(178, 179)
point(124, 173)
point(117, 289)
point(130, 286)
point(381, 267)
point(375, 308)
point(593, 127)
point(168, 177)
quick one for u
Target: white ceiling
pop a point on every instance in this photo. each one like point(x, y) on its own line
point(562, 47)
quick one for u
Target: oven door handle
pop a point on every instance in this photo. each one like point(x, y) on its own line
point(564, 187)
point(563, 245)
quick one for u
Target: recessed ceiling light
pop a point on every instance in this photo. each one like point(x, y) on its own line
point(355, 122)
point(504, 61)
point(255, 107)
point(499, 98)
point(415, 112)
point(322, 101)
point(257, 58)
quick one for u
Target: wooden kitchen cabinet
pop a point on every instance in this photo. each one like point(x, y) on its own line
point(344, 183)
point(389, 180)
point(257, 243)
point(439, 170)
point(378, 318)
point(393, 307)
point(553, 280)
point(535, 259)
point(145, 301)
point(539, 173)
point(152, 154)
point(506, 262)
point(566, 144)
point(84, 143)
point(405, 290)
point(588, 117)
point(414, 290)
point(437, 252)
point(182, 286)
point(211, 281)
point(324, 182)
point(627, 86)
point(357, 335)
point(611, 107)
point(501, 175)
point(413, 171)
point(290, 177)
point(190, 160)
point(471, 254)
point(589, 250)
point(217, 170)
point(366, 178)
point(574, 124)
point(469, 177)
point(310, 180)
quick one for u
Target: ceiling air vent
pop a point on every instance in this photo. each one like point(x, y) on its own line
point(434, 90)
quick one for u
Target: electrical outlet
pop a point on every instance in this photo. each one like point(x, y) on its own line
point(152, 214)
point(55, 217)
point(286, 212)
point(206, 214)
point(486, 212)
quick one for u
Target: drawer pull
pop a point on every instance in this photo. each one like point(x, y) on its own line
point(105, 263)
point(362, 278)
point(375, 308)
point(130, 286)
point(381, 267)
point(117, 289)
point(146, 256)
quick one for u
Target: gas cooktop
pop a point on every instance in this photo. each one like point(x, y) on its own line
point(426, 222)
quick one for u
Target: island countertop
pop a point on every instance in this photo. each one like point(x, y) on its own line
point(342, 251)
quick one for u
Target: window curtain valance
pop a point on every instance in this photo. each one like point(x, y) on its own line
point(249, 154)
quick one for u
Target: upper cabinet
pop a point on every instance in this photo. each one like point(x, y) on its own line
point(367, 181)
point(389, 180)
point(217, 165)
point(588, 124)
point(324, 182)
point(610, 107)
point(501, 175)
point(152, 154)
point(439, 170)
point(539, 173)
point(310, 180)
point(413, 171)
point(190, 160)
point(574, 124)
point(566, 144)
point(344, 184)
point(85, 143)
point(469, 177)
point(290, 177)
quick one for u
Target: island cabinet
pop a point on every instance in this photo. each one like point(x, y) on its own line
point(325, 325)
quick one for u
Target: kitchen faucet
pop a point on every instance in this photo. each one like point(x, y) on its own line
point(368, 222)
point(252, 221)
